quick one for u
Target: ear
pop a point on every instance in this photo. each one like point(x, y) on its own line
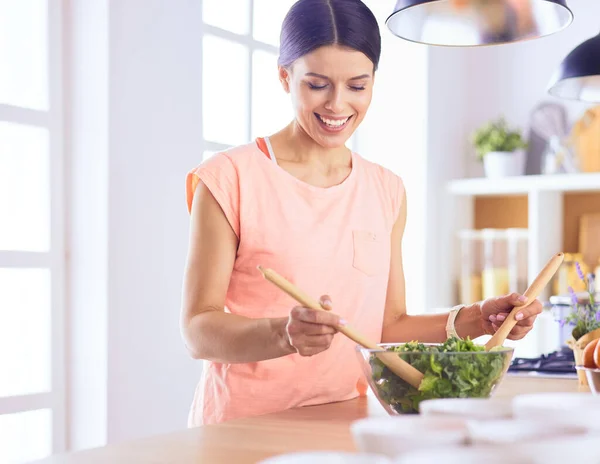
point(284, 78)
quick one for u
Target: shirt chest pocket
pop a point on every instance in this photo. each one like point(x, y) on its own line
point(370, 252)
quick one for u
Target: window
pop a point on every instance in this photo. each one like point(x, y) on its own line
point(32, 252)
point(242, 97)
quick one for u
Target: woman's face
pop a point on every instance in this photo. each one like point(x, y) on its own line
point(331, 90)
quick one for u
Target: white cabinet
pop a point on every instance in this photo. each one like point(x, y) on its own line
point(546, 225)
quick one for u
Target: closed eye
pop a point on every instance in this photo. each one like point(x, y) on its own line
point(317, 87)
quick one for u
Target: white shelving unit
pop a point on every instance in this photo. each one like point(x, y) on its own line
point(545, 222)
point(526, 184)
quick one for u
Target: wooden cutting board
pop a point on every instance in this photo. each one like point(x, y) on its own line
point(585, 136)
point(589, 238)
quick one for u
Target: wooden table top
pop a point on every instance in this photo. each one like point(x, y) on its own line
point(251, 440)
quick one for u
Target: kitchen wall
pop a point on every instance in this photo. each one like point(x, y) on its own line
point(135, 98)
point(394, 134)
point(512, 79)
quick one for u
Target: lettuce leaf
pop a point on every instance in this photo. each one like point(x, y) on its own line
point(471, 374)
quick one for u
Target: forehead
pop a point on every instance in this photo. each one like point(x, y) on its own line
point(335, 62)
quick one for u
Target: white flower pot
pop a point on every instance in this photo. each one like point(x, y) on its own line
point(504, 164)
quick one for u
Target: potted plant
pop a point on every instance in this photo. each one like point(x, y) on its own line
point(502, 149)
point(585, 320)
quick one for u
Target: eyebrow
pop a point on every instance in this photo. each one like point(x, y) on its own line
point(355, 78)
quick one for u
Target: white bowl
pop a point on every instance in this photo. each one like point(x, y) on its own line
point(393, 436)
point(580, 450)
point(326, 457)
point(562, 408)
point(468, 408)
point(489, 455)
point(509, 431)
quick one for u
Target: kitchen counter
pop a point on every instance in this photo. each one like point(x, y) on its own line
point(253, 439)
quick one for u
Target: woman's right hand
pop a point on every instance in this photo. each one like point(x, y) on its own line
point(310, 331)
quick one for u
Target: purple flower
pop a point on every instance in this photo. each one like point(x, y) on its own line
point(573, 296)
point(579, 271)
point(562, 322)
point(598, 316)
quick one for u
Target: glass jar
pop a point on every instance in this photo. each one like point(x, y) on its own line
point(495, 280)
point(471, 266)
point(517, 249)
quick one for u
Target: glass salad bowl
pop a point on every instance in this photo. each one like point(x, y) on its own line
point(453, 369)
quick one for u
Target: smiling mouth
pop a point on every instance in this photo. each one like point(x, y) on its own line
point(331, 124)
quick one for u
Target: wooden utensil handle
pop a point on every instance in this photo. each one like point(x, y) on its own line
point(531, 293)
point(309, 302)
point(398, 366)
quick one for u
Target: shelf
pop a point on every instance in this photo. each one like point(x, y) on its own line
point(586, 182)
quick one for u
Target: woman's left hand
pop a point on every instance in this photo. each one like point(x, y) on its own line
point(495, 310)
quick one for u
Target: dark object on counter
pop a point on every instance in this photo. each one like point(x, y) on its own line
point(547, 120)
point(469, 23)
point(558, 362)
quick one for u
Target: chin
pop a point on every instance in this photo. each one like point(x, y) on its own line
point(331, 142)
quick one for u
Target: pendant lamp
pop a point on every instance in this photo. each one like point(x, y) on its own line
point(470, 23)
point(578, 76)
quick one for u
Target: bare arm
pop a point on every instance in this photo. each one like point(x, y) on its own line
point(211, 333)
point(428, 328)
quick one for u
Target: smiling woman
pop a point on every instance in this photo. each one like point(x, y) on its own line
point(300, 202)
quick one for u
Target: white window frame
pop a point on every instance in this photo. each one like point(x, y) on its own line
point(55, 259)
point(251, 45)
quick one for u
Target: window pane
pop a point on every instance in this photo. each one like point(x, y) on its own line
point(24, 188)
point(23, 53)
point(25, 330)
point(267, 19)
point(271, 106)
point(26, 436)
point(225, 91)
point(232, 15)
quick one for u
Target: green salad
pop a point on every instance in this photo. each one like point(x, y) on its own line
point(447, 374)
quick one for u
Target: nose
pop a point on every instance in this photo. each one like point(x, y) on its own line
point(335, 102)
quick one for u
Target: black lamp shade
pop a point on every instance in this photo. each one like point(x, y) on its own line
point(578, 76)
point(477, 23)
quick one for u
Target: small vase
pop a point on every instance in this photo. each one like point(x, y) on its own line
point(578, 346)
point(497, 164)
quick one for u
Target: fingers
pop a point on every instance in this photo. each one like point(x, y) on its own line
point(525, 318)
point(532, 310)
point(311, 331)
point(319, 341)
point(317, 317)
point(301, 327)
point(516, 299)
point(326, 303)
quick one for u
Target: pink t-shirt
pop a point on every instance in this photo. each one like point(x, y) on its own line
point(333, 241)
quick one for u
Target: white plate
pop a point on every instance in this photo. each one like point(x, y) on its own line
point(393, 436)
point(509, 431)
point(326, 457)
point(564, 408)
point(469, 408)
point(579, 450)
point(490, 455)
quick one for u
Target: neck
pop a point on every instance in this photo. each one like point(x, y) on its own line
point(295, 145)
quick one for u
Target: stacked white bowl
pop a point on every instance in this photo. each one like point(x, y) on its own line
point(540, 428)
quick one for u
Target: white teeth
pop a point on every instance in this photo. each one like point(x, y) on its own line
point(334, 123)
